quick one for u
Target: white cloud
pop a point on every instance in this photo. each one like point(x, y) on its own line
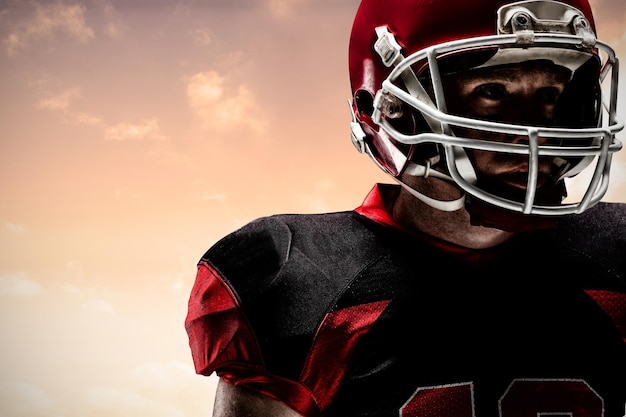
point(205, 88)
point(19, 399)
point(316, 199)
point(221, 107)
point(202, 37)
point(45, 21)
point(71, 289)
point(76, 269)
point(111, 401)
point(114, 26)
point(15, 227)
point(283, 8)
point(60, 101)
point(175, 284)
point(99, 306)
point(169, 389)
point(94, 299)
point(114, 29)
point(148, 129)
point(173, 375)
point(18, 284)
point(166, 154)
point(175, 382)
point(212, 196)
point(86, 119)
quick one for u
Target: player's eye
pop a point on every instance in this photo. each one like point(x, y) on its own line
point(491, 91)
point(548, 95)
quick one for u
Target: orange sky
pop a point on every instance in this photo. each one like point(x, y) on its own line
point(134, 135)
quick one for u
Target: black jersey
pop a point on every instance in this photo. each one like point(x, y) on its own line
point(345, 314)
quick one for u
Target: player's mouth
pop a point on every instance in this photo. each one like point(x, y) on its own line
point(519, 179)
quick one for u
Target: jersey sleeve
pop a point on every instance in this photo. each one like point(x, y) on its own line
point(222, 341)
point(226, 320)
point(218, 332)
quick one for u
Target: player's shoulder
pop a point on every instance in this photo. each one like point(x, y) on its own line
point(293, 247)
point(603, 221)
point(599, 234)
point(279, 233)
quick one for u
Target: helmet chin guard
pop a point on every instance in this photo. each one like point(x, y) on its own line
point(401, 119)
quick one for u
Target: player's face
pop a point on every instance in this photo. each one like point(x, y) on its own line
point(517, 94)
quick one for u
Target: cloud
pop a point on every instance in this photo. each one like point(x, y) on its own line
point(175, 284)
point(94, 305)
point(282, 8)
point(18, 284)
point(45, 21)
point(173, 375)
point(174, 382)
point(71, 289)
point(111, 401)
point(221, 108)
point(76, 269)
point(169, 389)
point(99, 306)
point(609, 16)
point(317, 198)
point(114, 29)
point(19, 399)
point(86, 119)
point(15, 227)
point(279, 5)
point(60, 101)
point(608, 10)
point(212, 196)
point(113, 26)
point(202, 37)
point(148, 129)
point(93, 299)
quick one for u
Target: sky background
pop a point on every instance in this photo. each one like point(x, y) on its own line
point(134, 135)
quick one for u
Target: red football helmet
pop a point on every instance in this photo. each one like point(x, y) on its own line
point(400, 50)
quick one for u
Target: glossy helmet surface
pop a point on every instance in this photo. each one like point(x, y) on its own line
point(400, 49)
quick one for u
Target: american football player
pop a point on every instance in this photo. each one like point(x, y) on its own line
point(488, 278)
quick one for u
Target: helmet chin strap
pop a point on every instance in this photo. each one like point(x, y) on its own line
point(487, 215)
point(426, 171)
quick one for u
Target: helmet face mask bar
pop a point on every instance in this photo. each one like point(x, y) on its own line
point(414, 88)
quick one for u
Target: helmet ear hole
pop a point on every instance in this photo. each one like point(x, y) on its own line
point(364, 101)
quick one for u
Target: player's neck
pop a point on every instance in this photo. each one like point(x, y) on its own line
point(451, 226)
